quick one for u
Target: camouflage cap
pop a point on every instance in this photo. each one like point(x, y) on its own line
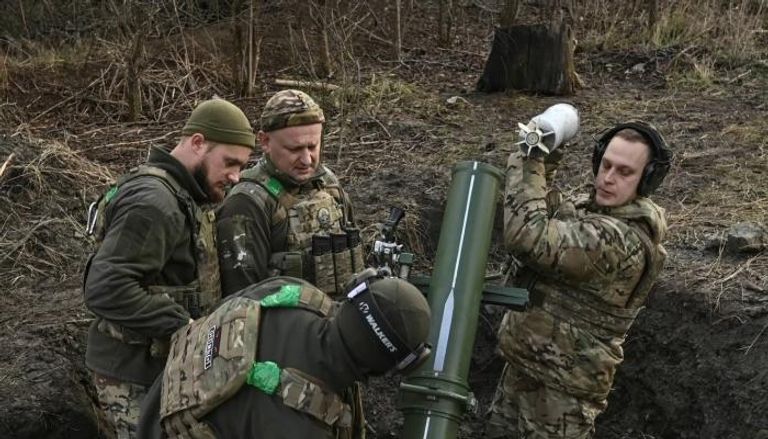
point(406, 312)
point(220, 121)
point(290, 108)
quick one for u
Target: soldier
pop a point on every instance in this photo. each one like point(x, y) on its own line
point(288, 215)
point(156, 265)
point(589, 271)
point(275, 359)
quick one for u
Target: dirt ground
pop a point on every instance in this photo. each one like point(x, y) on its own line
point(695, 358)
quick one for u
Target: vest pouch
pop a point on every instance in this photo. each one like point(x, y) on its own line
point(322, 258)
point(187, 296)
point(342, 260)
point(207, 259)
point(356, 249)
point(287, 264)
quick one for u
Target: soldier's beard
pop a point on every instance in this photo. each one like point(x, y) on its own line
point(201, 177)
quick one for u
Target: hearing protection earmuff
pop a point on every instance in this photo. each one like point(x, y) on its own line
point(657, 167)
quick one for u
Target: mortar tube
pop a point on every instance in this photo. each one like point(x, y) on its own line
point(435, 397)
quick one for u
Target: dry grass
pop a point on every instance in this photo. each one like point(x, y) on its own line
point(733, 29)
point(733, 189)
point(394, 115)
point(43, 200)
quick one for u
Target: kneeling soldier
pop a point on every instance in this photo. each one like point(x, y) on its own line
point(277, 360)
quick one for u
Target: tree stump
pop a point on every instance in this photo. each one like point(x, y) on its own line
point(534, 58)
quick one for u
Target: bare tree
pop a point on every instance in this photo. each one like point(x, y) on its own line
point(445, 22)
point(323, 23)
point(134, 66)
point(134, 23)
point(398, 32)
point(653, 14)
point(247, 50)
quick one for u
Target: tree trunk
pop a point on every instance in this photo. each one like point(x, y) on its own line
point(134, 27)
point(509, 13)
point(445, 22)
point(398, 35)
point(238, 76)
point(653, 15)
point(327, 61)
point(247, 47)
point(133, 79)
point(251, 59)
point(535, 58)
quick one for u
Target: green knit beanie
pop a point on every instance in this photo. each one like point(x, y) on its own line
point(220, 121)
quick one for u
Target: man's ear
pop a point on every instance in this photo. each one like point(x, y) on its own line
point(198, 143)
point(264, 141)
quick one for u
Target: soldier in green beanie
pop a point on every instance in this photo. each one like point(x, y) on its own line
point(289, 357)
point(288, 215)
point(155, 266)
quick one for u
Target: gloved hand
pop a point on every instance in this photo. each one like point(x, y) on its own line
point(552, 162)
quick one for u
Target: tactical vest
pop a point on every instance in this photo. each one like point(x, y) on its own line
point(322, 247)
point(608, 315)
point(571, 337)
point(212, 358)
point(198, 297)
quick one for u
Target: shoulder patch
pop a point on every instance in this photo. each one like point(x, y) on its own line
point(274, 187)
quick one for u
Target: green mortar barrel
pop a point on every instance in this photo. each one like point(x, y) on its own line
point(435, 397)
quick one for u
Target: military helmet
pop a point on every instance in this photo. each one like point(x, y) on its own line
point(289, 108)
point(658, 165)
point(384, 322)
point(220, 121)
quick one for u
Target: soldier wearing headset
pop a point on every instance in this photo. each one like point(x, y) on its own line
point(589, 269)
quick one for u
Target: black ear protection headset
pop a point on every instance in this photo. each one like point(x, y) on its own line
point(359, 293)
point(657, 167)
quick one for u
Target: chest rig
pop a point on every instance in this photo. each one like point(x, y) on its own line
point(322, 246)
point(212, 358)
point(606, 313)
point(197, 297)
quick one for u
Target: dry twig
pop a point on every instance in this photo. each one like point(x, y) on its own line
point(307, 84)
point(7, 162)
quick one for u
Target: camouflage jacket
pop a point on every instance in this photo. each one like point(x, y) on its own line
point(589, 272)
point(148, 242)
point(289, 337)
point(251, 227)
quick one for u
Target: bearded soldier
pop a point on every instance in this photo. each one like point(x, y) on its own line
point(589, 270)
point(156, 266)
point(288, 215)
point(276, 360)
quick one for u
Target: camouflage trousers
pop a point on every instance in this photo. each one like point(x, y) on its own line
point(524, 408)
point(120, 401)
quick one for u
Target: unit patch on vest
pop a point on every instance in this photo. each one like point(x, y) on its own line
point(212, 341)
point(324, 217)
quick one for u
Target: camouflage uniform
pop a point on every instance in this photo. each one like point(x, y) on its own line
point(269, 223)
point(121, 402)
point(589, 270)
point(155, 267)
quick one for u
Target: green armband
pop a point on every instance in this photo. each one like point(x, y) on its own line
point(287, 297)
point(265, 376)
